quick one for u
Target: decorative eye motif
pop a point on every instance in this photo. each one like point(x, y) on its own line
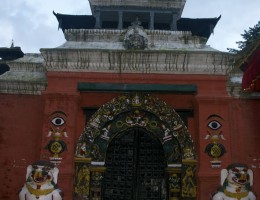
point(235, 170)
point(57, 121)
point(214, 125)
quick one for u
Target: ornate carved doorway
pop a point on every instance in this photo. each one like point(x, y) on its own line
point(135, 147)
point(135, 167)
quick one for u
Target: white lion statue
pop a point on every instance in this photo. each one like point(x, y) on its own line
point(236, 183)
point(41, 182)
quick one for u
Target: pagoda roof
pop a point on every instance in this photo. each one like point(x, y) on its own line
point(7, 54)
point(3, 68)
point(75, 21)
point(202, 27)
point(11, 53)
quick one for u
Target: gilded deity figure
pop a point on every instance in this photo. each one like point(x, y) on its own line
point(82, 182)
point(82, 150)
point(188, 184)
point(236, 183)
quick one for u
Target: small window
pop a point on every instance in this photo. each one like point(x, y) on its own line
point(89, 112)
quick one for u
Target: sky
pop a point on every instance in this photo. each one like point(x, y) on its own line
point(32, 25)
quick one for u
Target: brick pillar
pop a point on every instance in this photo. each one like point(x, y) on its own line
point(208, 111)
point(60, 121)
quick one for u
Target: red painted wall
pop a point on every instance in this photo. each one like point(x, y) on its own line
point(67, 103)
point(24, 125)
point(210, 90)
point(245, 136)
point(21, 119)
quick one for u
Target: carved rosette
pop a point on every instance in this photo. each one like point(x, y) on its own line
point(135, 38)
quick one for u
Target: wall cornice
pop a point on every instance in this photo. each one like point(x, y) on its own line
point(156, 38)
point(143, 61)
point(140, 3)
point(27, 75)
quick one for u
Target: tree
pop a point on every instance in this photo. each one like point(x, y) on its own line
point(249, 37)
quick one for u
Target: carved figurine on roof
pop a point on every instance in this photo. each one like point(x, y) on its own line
point(41, 182)
point(236, 183)
point(135, 37)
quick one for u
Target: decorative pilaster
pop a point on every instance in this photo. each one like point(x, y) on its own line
point(97, 174)
point(174, 22)
point(174, 178)
point(151, 20)
point(98, 20)
point(58, 135)
point(188, 181)
point(82, 178)
point(120, 20)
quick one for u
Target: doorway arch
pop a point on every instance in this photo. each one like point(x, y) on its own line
point(135, 167)
point(149, 115)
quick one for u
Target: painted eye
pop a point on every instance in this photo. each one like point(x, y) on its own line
point(46, 169)
point(235, 170)
point(57, 121)
point(214, 125)
point(245, 170)
point(35, 167)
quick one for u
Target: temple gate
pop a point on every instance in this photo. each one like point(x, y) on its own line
point(135, 147)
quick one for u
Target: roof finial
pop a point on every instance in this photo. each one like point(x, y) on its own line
point(12, 45)
point(136, 23)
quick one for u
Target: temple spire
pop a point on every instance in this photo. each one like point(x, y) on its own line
point(12, 44)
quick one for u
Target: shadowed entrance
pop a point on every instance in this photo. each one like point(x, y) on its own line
point(135, 167)
point(135, 147)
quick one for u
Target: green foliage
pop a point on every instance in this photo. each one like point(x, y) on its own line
point(249, 37)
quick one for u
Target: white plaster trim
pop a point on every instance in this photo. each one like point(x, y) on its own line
point(97, 163)
point(21, 88)
point(27, 75)
point(142, 3)
point(122, 61)
point(175, 165)
point(113, 39)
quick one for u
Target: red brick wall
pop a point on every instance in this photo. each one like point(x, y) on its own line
point(210, 90)
point(20, 138)
point(24, 125)
point(245, 136)
point(68, 104)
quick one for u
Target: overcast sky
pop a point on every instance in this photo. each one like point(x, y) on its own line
point(32, 25)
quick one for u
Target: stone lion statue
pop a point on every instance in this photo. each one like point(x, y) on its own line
point(236, 183)
point(41, 182)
